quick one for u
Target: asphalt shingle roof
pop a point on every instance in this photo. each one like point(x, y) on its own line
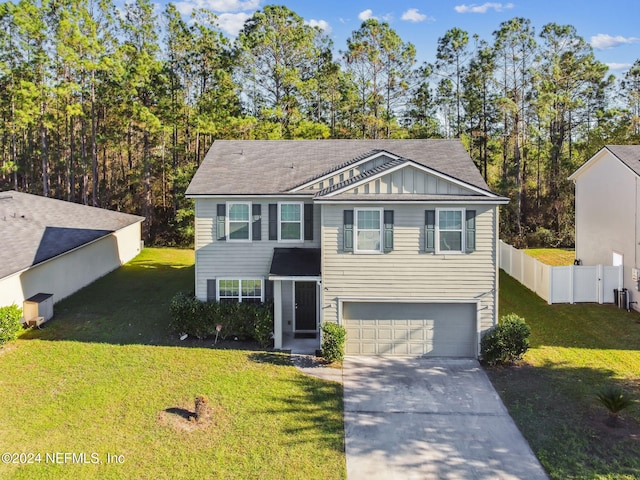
point(295, 262)
point(628, 154)
point(34, 229)
point(263, 167)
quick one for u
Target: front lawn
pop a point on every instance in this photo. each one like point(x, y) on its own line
point(575, 350)
point(105, 382)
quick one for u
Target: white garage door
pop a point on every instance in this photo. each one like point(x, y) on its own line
point(432, 329)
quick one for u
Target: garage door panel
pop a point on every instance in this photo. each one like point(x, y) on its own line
point(447, 330)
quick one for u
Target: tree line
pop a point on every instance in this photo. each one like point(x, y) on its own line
point(117, 108)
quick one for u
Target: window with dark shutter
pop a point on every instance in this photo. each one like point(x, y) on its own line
point(429, 230)
point(268, 290)
point(256, 212)
point(470, 231)
point(347, 236)
point(221, 221)
point(388, 231)
point(308, 221)
point(273, 221)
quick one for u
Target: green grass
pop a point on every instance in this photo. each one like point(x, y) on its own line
point(575, 351)
point(556, 257)
point(106, 377)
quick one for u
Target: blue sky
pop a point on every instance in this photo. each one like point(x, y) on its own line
point(612, 27)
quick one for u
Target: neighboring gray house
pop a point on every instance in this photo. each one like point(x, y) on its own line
point(394, 239)
point(55, 247)
point(607, 189)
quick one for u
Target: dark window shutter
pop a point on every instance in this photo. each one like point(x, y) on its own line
point(221, 221)
point(429, 230)
point(470, 230)
point(256, 211)
point(308, 221)
point(211, 290)
point(273, 221)
point(388, 230)
point(268, 290)
point(348, 230)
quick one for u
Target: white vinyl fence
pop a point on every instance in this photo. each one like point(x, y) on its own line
point(573, 284)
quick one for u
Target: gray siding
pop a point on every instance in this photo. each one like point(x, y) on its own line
point(223, 259)
point(407, 272)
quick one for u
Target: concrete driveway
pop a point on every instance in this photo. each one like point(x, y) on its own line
point(421, 418)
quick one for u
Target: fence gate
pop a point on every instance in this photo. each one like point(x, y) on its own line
point(572, 284)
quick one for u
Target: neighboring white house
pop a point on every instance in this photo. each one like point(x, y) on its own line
point(55, 247)
point(394, 239)
point(607, 212)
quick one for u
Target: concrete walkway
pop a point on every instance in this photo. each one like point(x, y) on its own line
point(419, 418)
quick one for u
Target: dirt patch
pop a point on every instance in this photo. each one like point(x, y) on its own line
point(184, 418)
point(627, 428)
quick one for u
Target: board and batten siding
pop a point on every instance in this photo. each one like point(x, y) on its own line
point(408, 272)
point(223, 259)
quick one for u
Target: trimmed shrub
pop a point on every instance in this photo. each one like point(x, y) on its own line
point(246, 321)
point(10, 323)
point(333, 338)
point(507, 342)
point(190, 315)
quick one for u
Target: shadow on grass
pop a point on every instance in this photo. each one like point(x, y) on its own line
point(128, 306)
point(583, 325)
point(556, 409)
point(180, 412)
point(278, 359)
point(317, 410)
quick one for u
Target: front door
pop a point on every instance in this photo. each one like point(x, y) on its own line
point(306, 306)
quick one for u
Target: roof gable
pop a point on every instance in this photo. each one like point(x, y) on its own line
point(354, 168)
point(291, 167)
point(401, 177)
point(629, 155)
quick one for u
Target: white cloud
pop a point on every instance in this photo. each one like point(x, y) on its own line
point(619, 66)
point(217, 6)
point(225, 6)
point(366, 14)
point(232, 23)
point(413, 15)
point(484, 8)
point(603, 41)
point(322, 24)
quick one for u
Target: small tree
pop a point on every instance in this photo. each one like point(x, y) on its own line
point(507, 342)
point(10, 323)
point(333, 338)
point(615, 400)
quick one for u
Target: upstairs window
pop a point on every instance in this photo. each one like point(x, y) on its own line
point(290, 227)
point(368, 230)
point(449, 230)
point(239, 221)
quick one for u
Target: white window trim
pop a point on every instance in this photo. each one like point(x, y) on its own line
point(228, 223)
point(240, 280)
point(462, 231)
point(355, 231)
point(291, 240)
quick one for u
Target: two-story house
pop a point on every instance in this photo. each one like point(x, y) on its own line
point(394, 239)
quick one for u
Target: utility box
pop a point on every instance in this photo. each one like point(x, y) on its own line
point(40, 306)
